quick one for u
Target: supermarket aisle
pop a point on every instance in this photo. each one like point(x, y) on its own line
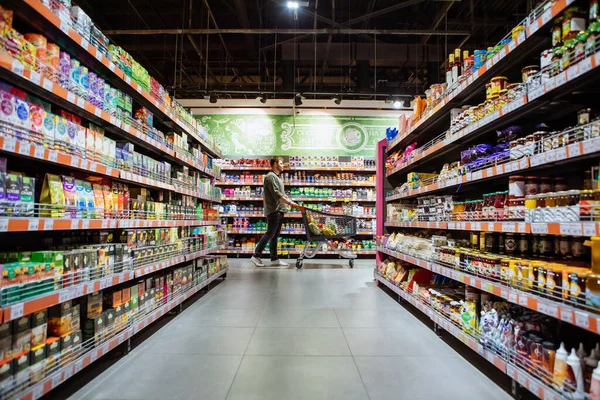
point(318, 333)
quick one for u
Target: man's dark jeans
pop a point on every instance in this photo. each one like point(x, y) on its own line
point(274, 221)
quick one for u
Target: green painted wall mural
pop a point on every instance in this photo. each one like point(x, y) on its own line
point(252, 135)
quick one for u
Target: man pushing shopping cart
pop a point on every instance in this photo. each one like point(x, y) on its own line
point(319, 226)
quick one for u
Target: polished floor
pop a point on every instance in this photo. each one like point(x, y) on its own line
point(324, 332)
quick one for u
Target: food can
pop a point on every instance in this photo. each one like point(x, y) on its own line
point(528, 72)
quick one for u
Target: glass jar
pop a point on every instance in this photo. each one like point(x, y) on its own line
point(530, 206)
point(504, 269)
point(500, 238)
point(491, 243)
point(546, 185)
point(494, 267)
point(564, 247)
point(586, 205)
point(546, 246)
point(531, 185)
point(516, 186)
point(529, 146)
point(523, 246)
point(573, 197)
point(578, 249)
point(560, 185)
point(478, 211)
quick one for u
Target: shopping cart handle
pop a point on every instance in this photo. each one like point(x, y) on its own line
point(302, 209)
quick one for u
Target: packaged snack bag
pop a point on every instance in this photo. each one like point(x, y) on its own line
point(81, 141)
point(90, 200)
point(98, 146)
point(28, 54)
point(22, 115)
point(49, 129)
point(90, 143)
point(83, 82)
point(74, 76)
point(26, 206)
point(39, 42)
point(6, 19)
point(52, 194)
point(13, 193)
point(64, 69)
point(68, 183)
point(8, 110)
point(71, 144)
point(109, 203)
point(98, 200)
point(52, 62)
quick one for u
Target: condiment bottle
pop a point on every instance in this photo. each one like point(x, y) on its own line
point(591, 363)
point(560, 367)
point(574, 379)
point(595, 385)
point(548, 354)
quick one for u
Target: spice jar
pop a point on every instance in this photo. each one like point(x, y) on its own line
point(531, 185)
point(530, 206)
point(498, 83)
point(546, 185)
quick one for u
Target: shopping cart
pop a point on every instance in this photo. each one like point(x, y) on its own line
point(326, 227)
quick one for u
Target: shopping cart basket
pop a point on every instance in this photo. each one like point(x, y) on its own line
point(325, 227)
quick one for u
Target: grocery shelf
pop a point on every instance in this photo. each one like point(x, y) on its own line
point(563, 81)
point(581, 318)
point(361, 184)
point(43, 19)
point(14, 71)
point(584, 228)
point(18, 224)
point(47, 300)
point(342, 169)
point(546, 159)
point(288, 215)
point(502, 60)
point(525, 379)
point(321, 199)
point(45, 386)
point(291, 252)
point(294, 232)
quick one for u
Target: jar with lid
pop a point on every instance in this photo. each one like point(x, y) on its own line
point(546, 185)
point(535, 246)
point(510, 244)
point(573, 197)
point(494, 266)
point(478, 211)
point(550, 210)
point(595, 209)
point(573, 22)
point(531, 185)
point(564, 246)
point(504, 269)
point(499, 205)
point(560, 185)
point(568, 50)
point(586, 205)
point(491, 243)
point(529, 146)
point(530, 206)
point(587, 180)
point(543, 212)
point(516, 209)
point(523, 270)
point(556, 61)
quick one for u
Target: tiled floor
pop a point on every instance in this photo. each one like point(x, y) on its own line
point(272, 333)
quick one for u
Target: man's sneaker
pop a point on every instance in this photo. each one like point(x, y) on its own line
point(279, 263)
point(257, 261)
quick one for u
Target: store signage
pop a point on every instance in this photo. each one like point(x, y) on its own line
point(245, 135)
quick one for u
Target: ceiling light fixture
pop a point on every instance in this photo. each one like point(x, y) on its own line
point(293, 5)
point(298, 99)
point(212, 98)
point(337, 100)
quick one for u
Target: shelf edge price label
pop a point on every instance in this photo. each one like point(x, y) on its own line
point(24, 148)
point(16, 311)
point(34, 224)
point(48, 84)
point(546, 16)
point(566, 315)
point(589, 229)
point(582, 319)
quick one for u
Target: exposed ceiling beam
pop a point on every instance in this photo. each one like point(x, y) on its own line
point(326, 31)
point(370, 8)
point(440, 17)
point(387, 10)
point(328, 48)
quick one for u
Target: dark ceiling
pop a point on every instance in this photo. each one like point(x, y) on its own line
point(328, 46)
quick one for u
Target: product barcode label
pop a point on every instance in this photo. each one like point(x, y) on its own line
point(9, 144)
point(99, 55)
point(547, 16)
point(38, 152)
point(573, 72)
point(582, 319)
point(534, 26)
point(3, 225)
point(535, 93)
point(550, 84)
point(35, 77)
point(37, 392)
point(574, 150)
point(589, 229)
point(111, 66)
point(591, 146)
point(78, 366)
point(34, 224)
point(523, 300)
point(585, 66)
point(57, 379)
point(75, 162)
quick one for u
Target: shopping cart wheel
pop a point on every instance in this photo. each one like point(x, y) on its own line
point(351, 262)
point(299, 264)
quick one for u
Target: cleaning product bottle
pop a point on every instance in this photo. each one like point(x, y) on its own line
point(574, 380)
point(560, 366)
point(595, 386)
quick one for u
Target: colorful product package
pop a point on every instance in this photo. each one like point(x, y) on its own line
point(64, 70)
point(40, 43)
point(98, 200)
point(22, 114)
point(36, 116)
point(26, 207)
point(109, 203)
point(49, 129)
point(53, 62)
point(80, 199)
point(53, 195)
point(8, 111)
point(90, 144)
point(99, 139)
point(6, 19)
point(61, 140)
point(90, 201)
point(13, 194)
point(83, 82)
point(74, 76)
point(81, 141)
point(68, 183)
point(13, 41)
point(71, 145)
point(28, 55)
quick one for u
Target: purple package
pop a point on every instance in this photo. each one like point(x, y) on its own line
point(71, 137)
point(100, 92)
point(2, 164)
point(70, 196)
point(64, 69)
point(92, 88)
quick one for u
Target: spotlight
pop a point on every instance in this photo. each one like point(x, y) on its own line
point(293, 5)
point(212, 98)
point(406, 103)
point(397, 104)
point(298, 100)
point(262, 98)
point(337, 100)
